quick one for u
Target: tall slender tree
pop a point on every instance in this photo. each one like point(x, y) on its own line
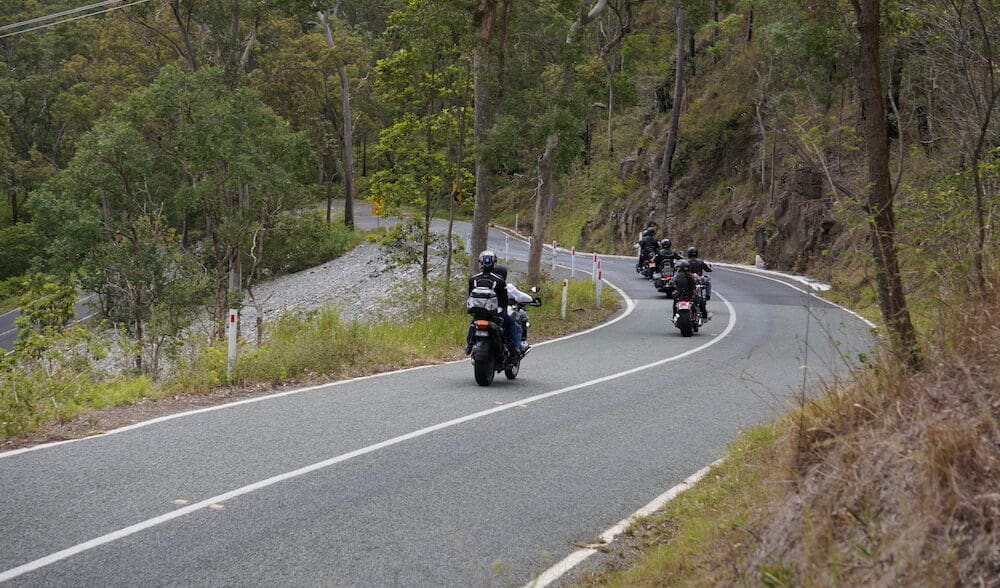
point(879, 205)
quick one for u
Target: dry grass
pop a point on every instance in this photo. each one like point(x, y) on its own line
point(892, 480)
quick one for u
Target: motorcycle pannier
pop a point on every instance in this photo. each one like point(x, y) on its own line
point(482, 300)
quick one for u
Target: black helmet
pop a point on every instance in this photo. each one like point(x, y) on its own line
point(501, 271)
point(665, 243)
point(692, 252)
point(682, 266)
point(487, 259)
point(648, 232)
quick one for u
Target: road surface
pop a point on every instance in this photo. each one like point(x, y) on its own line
point(421, 477)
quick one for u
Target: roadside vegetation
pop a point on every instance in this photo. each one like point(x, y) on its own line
point(59, 382)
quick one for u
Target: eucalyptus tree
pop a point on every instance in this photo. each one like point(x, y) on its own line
point(879, 204)
point(425, 87)
point(188, 141)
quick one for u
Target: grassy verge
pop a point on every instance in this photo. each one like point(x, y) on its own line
point(63, 385)
point(683, 544)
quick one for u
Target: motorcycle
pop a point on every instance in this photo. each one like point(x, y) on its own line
point(490, 354)
point(647, 263)
point(687, 315)
point(661, 280)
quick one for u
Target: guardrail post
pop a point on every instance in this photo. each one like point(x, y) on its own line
point(231, 328)
point(599, 285)
point(565, 294)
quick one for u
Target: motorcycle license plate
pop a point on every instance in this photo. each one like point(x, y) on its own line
point(482, 334)
point(683, 305)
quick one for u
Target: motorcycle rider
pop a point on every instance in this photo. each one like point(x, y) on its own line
point(515, 295)
point(666, 255)
point(684, 281)
point(489, 277)
point(698, 266)
point(647, 245)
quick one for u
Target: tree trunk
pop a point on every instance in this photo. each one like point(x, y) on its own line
point(14, 212)
point(661, 190)
point(348, 132)
point(879, 202)
point(184, 26)
point(542, 195)
point(481, 211)
point(992, 94)
point(347, 129)
point(455, 191)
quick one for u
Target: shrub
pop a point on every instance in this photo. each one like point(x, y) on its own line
point(304, 240)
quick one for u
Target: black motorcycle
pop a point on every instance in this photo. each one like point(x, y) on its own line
point(662, 279)
point(490, 354)
point(687, 315)
point(647, 263)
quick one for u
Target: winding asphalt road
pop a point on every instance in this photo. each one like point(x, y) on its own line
point(420, 477)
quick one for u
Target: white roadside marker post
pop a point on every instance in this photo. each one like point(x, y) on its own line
point(565, 293)
point(554, 252)
point(515, 222)
point(572, 262)
point(506, 248)
point(231, 331)
point(593, 270)
point(599, 285)
point(468, 243)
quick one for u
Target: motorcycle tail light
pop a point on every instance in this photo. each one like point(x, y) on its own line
point(482, 324)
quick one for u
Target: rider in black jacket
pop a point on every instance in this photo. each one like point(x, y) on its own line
point(699, 267)
point(666, 255)
point(489, 277)
point(647, 246)
point(684, 281)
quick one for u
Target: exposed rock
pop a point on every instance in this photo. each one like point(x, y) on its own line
point(801, 225)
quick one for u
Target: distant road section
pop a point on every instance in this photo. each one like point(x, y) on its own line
point(85, 308)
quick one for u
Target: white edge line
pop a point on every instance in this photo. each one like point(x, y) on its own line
point(149, 523)
point(629, 307)
point(570, 561)
point(740, 270)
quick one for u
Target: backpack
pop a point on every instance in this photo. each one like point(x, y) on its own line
point(482, 299)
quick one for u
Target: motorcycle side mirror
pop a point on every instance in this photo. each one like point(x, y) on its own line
point(535, 290)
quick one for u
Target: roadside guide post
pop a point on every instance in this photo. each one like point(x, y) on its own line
point(554, 251)
point(564, 296)
point(515, 222)
point(600, 283)
point(468, 243)
point(506, 248)
point(231, 329)
point(572, 262)
point(593, 270)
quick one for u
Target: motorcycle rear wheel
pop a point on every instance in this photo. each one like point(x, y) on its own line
point(483, 369)
point(684, 323)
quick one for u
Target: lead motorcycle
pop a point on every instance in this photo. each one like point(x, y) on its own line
point(687, 316)
point(490, 354)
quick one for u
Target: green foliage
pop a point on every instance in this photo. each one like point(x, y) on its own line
point(303, 240)
point(17, 248)
point(47, 307)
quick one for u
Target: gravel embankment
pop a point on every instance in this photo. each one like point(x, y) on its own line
point(362, 284)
